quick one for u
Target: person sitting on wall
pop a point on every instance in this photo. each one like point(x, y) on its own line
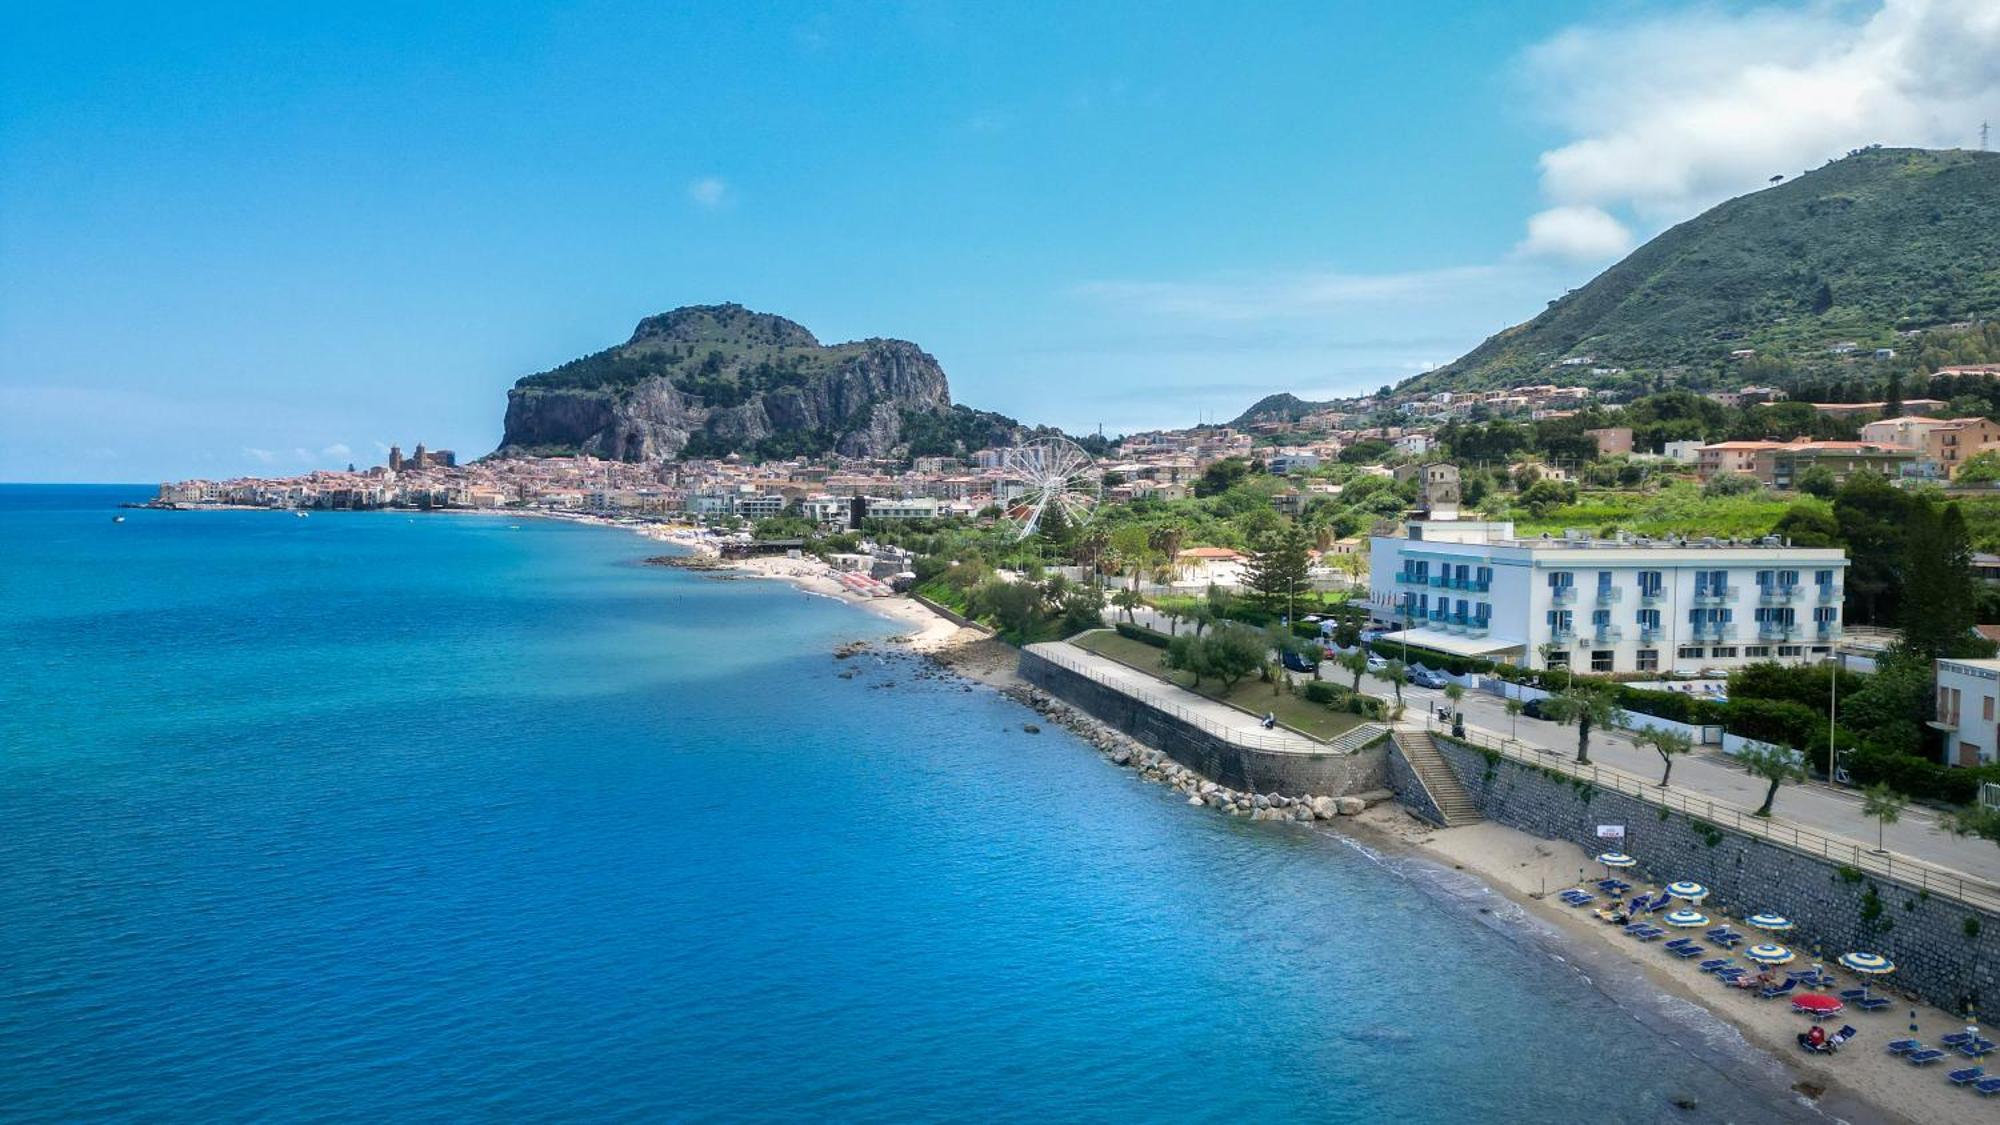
point(1270, 721)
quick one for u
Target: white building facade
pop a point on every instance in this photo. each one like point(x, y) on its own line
point(1606, 606)
point(1967, 691)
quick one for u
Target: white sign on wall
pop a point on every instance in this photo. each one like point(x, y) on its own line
point(1611, 832)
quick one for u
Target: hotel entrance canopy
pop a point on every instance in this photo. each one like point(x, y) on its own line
point(1441, 641)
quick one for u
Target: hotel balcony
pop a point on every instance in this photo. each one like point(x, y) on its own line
point(1476, 627)
point(1609, 595)
point(1777, 595)
point(1715, 632)
point(1607, 634)
point(1562, 595)
point(1777, 631)
point(1714, 595)
point(1562, 636)
point(1652, 596)
point(1440, 581)
point(1472, 584)
point(1651, 633)
point(1826, 630)
point(1829, 594)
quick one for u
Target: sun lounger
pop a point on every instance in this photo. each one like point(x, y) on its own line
point(1904, 1046)
point(1977, 1049)
point(1987, 1086)
point(1775, 991)
point(1650, 934)
point(1840, 1038)
point(1714, 964)
point(1680, 941)
point(1686, 951)
point(1873, 1003)
point(1924, 1057)
point(1967, 1076)
point(1635, 927)
point(1853, 994)
point(1957, 1038)
point(1613, 886)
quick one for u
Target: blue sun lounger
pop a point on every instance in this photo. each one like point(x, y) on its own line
point(1978, 1048)
point(1613, 886)
point(1650, 933)
point(1873, 1003)
point(1924, 1057)
point(1714, 964)
point(1967, 1076)
point(1686, 951)
point(1956, 1039)
point(1777, 990)
point(1904, 1046)
point(1987, 1086)
point(1680, 941)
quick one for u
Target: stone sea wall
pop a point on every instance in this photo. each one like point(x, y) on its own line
point(1409, 789)
point(1945, 951)
point(1211, 756)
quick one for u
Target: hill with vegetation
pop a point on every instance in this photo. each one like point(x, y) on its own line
point(1886, 248)
point(710, 380)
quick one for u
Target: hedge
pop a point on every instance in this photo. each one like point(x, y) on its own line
point(1919, 777)
point(1142, 634)
point(1339, 698)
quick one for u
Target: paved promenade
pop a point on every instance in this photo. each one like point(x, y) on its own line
point(1219, 718)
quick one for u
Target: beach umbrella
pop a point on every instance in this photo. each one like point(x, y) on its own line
point(1768, 954)
point(1775, 923)
point(1868, 965)
point(1617, 859)
point(1693, 892)
point(1685, 918)
point(1816, 1003)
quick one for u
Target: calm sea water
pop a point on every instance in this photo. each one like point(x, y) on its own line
point(365, 817)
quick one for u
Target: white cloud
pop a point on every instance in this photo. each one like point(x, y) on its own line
point(1674, 113)
point(261, 456)
point(709, 191)
point(1577, 232)
point(338, 451)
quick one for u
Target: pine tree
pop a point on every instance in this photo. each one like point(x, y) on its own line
point(1939, 603)
point(1892, 398)
point(1278, 572)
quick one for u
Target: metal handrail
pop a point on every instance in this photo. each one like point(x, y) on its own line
point(1252, 739)
point(1919, 874)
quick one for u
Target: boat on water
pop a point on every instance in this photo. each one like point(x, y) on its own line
point(302, 515)
point(117, 519)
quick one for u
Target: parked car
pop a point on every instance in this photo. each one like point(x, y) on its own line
point(1533, 709)
point(1424, 677)
point(1376, 663)
point(1299, 662)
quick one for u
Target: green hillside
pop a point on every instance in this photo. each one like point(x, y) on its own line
point(1868, 248)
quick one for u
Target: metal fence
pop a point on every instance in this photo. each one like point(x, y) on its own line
point(1914, 873)
point(1291, 742)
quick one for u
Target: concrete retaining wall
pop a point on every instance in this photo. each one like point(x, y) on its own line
point(1410, 792)
point(1945, 951)
point(1213, 756)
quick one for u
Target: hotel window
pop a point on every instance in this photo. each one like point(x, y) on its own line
point(1604, 580)
point(1561, 580)
point(1724, 654)
point(1649, 619)
point(1790, 650)
point(1691, 653)
point(1649, 660)
point(1758, 652)
point(1485, 575)
point(1823, 577)
point(1560, 621)
point(1823, 615)
point(1600, 617)
point(1600, 660)
point(1559, 659)
point(1986, 706)
point(1649, 583)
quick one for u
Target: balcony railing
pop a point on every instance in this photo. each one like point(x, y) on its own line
point(1608, 634)
point(1562, 635)
point(1476, 627)
point(1829, 594)
point(1704, 595)
point(1826, 629)
point(1609, 595)
point(1650, 632)
point(1472, 584)
point(1777, 631)
point(1562, 595)
point(1715, 631)
point(1409, 579)
point(1652, 595)
point(1776, 595)
point(1440, 581)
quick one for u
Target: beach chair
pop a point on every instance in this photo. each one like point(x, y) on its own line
point(1956, 1039)
point(1853, 995)
point(1967, 1076)
point(1987, 1086)
point(1839, 1038)
point(1777, 990)
point(1728, 939)
point(1651, 933)
point(1686, 951)
point(1613, 886)
point(1714, 964)
point(1635, 927)
point(1924, 1057)
point(1904, 1046)
point(1977, 1049)
point(1873, 1003)
point(1680, 941)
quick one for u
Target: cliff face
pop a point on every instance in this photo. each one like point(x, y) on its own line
point(711, 380)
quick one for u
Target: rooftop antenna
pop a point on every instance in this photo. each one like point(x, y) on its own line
point(1983, 127)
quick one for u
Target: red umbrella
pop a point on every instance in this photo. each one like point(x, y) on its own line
point(1817, 1004)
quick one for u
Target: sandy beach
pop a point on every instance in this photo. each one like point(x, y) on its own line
point(1861, 1082)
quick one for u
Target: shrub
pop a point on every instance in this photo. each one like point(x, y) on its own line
point(1143, 635)
point(1319, 691)
point(1918, 777)
point(1777, 721)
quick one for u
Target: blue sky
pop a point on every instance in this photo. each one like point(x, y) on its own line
point(259, 239)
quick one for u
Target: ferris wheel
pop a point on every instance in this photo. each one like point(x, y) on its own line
point(1058, 474)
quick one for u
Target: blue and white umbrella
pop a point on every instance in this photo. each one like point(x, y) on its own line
point(1693, 892)
point(1775, 923)
point(1617, 859)
point(1685, 918)
point(1871, 964)
point(1768, 954)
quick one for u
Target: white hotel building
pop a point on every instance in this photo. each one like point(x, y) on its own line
point(1606, 605)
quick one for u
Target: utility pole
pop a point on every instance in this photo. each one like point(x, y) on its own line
point(1832, 707)
point(1982, 136)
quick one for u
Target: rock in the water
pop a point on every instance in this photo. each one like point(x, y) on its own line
point(1260, 801)
point(1031, 728)
point(1195, 801)
point(1325, 808)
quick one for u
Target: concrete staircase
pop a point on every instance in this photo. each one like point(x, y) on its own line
point(1434, 773)
point(1357, 738)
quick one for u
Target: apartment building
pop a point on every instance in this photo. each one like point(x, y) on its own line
point(1606, 605)
point(1967, 692)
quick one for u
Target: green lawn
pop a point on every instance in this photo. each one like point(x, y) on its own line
point(1251, 695)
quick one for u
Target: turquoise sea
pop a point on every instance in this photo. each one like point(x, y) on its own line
point(377, 818)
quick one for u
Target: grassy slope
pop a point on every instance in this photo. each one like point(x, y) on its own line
point(1250, 695)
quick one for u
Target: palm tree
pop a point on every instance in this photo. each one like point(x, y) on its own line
point(1666, 743)
point(1582, 707)
point(1775, 764)
point(1455, 692)
point(1885, 805)
point(1355, 662)
point(1398, 674)
point(1166, 540)
point(1513, 708)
